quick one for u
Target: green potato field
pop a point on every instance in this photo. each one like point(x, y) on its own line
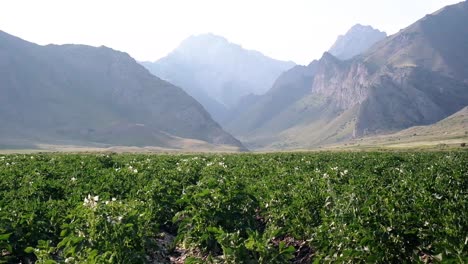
point(323, 207)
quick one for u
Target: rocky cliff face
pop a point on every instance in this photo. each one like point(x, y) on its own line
point(407, 97)
point(415, 77)
point(334, 78)
point(88, 94)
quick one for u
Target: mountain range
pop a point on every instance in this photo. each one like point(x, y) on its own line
point(218, 73)
point(365, 86)
point(417, 76)
point(76, 94)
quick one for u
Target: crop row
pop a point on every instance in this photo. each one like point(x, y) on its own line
point(245, 208)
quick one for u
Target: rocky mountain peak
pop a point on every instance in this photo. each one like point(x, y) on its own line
point(356, 41)
point(359, 28)
point(415, 77)
point(204, 43)
point(327, 57)
point(218, 73)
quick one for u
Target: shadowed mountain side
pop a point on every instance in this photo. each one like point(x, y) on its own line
point(408, 97)
point(449, 132)
point(405, 80)
point(288, 88)
point(77, 92)
point(218, 73)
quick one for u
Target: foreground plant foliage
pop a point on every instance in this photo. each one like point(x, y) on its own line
point(247, 208)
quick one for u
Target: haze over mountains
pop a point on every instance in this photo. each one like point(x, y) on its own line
point(83, 94)
point(367, 84)
point(356, 41)
point(415, 77)
point(218, 73)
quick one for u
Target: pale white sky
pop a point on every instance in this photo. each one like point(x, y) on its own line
point(297, 30)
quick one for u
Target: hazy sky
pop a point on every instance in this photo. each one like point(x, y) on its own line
point(297, 30)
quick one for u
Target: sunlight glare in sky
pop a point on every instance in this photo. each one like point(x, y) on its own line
point(297, 30)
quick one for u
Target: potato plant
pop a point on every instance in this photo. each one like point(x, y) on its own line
point(354, 207)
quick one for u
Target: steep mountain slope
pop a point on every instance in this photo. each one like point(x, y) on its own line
point(356, 41)
point(261, 115)
point(454, 126)
point(423, 73)
point(451, 131)
point(86, 94)
point(218, 73)
point(415, 77)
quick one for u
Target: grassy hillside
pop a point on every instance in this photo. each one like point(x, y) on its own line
point(450, 132)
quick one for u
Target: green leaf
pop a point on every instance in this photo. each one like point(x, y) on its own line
point(288, 250)
point(29, 250)
point(250, 244)
point(5, 236)
point(63, 233)
point(93, 254)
